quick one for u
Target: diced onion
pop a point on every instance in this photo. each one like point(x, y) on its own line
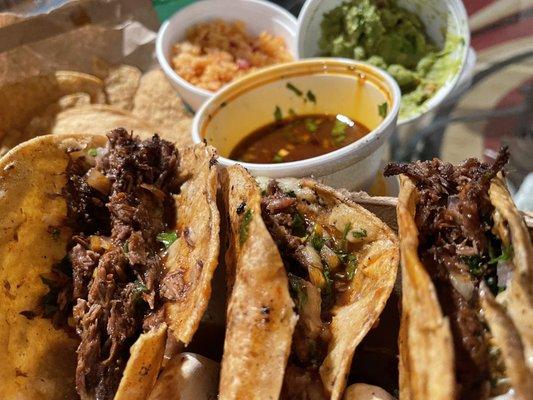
point(462, 284)
point(98, 181)
point(329, 257)
point(314, 266)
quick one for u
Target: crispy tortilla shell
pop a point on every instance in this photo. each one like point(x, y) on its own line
point(370, 288)
point(257, 346)
point(39, 361)
point(425, 340)
point(193, 257)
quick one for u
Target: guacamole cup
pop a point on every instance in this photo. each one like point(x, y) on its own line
point(338, 86)
point(445, 23)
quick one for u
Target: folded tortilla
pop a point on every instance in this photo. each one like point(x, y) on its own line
point(429, 360)
point(310, 272)
point(39, 360)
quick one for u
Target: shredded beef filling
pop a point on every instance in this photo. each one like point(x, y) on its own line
point(119, 201)
point(454, 221)
point(318, 264)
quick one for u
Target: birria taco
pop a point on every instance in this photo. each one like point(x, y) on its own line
point(106, 246)
point(467, 269)
point(310, 271)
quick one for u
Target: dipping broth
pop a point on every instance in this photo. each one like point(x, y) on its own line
point(298, 138)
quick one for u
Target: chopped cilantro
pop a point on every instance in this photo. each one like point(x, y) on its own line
point(297, 291)
point(351, 266)
point(291, 193)
point(347, 229)
point(383, 108)
point(360, 234)
point(126, 247)
point(311, 96)
point(278, 116)
point(339, 131)
point(292, 113)
point(475, 265)
point(294, 89)
point(507, 254)
point(245, 226)
point(167, 238)
point(310, 125)
point(298, 225)
point(277, 158)
point(92, 152)
point(317, 241)
point(327, 293)
point(139, 288)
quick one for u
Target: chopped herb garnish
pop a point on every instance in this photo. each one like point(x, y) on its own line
point(327, 294)
point(351, 266)
point(294, 89)
point(317, 241)
point(292, 113)
point(311, 96)
point(347, 229)
point(92, 152)
point(54, 231)
point(167, 238)
point(339, 131)
point(277, 158)
point(126, 247)
point(139, 288)
point(383, 108)
point(311, 125)
point(507, 254)
point(291, 193)
point(278, 116)
point(298, 293)
point(245, 225)
point(298, 225)
point(475, 265)
point(360, 234)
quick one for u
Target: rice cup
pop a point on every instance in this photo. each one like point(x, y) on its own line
point(340, 86)
point(258, 16)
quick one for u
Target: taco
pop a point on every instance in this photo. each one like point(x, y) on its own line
point(102, 253)
point(310, 271)
point(467, 268)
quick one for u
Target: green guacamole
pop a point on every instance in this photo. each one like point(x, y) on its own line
point(394, 39)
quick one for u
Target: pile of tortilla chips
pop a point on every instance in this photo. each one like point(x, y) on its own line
point(68, 101)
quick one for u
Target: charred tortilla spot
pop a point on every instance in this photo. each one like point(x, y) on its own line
point(20, 373)
point(28, 314)
point(187, 235)
point(241, 207)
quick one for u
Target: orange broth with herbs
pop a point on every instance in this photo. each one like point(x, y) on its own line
point(298, 137)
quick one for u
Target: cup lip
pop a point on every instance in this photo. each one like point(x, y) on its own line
point(204, 4)
point(455, 7)
point(356, 147)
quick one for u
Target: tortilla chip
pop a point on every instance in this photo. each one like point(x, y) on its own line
point(157, 99)
point(22, 101)
point(256, 347)
point(9, 19)
point(140, 374)
point(97, 118)
point(193, 257)
point(121, 85)
point(427, 374)
point(37, 361)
